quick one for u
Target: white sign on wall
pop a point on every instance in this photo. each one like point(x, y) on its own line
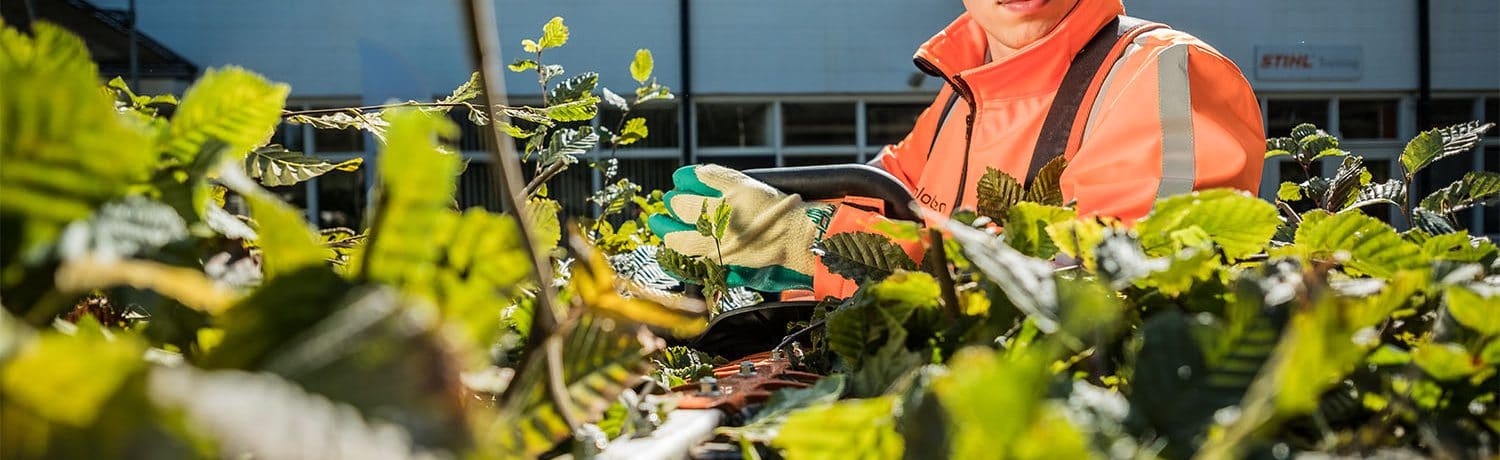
point(1307, 62)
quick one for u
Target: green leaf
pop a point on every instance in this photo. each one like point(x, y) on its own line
point(530, 46)
point(1477, 188)
point(981, 385)
point(276, 166)
point(721, 219)
point(878, 371)
point(1445, 361)
point(766, 424)
point(829, 431)
point(1433, 145)
point(641, 66)
point(574, 88)
point(519, 133)
point(1459, 247)
point(481, 263)
point(554, 34)
point(1046, 187)
point(705, 224)
point(596, 361)
point(1239, 223)
point(1361, 242)
point(64, 149)
point(1475, 310)
point(577, 110)
point(1346, 183)
point(264, 400)
point(568, 143)
point(231, 105)
point(881, 313)
point(1183, 270)
point(614, 101)
point(1027, 282)
point(1391, 192)
point(522, 65)
point(465, 91)
point(417, 184)
point(1077, 237)
point(1026, 228)
point(546, 226)
point(1289, 192)
point(634, 130)
point(862, 256)
point(286, 241)
point(997, 192)
point(122, 229)
point(89, 367)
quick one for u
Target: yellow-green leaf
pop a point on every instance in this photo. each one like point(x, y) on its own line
point(850, 429)
point(642, 65)
point(554, 34)
point(231, 105)
point(1445, 361)
point(1474, 310)
point(68, 378)
point(1239, 223)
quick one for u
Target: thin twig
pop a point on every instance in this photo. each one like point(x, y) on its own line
point(291, 113)
point(484, 36)
point(543, 176)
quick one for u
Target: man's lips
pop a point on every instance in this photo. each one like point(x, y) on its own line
point(1024, 6)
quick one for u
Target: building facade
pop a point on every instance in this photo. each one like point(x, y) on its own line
point(794, 82)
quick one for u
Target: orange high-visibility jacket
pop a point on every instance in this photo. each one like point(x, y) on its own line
point(1169, 114)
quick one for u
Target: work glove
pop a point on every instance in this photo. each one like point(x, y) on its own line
point(767, 245)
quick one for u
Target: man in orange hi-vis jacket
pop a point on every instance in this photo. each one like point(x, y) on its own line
point(1139, 111)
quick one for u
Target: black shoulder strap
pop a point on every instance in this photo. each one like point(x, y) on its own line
point(1058, 126)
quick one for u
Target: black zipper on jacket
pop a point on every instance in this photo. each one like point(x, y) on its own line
point(962, 87)
point(963, 175)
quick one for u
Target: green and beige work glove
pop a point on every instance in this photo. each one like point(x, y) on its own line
point(767, 245)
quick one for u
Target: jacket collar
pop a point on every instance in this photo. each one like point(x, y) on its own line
point(957, 54)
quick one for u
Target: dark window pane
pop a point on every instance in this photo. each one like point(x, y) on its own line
point(741, 163)
point(818, 124)
point(478, 187)
point(1284, 114)
point(339, 140)
point(649, 173)
point(732, 125)
point(289, 136)
point(1492, 115)
point(1492, 213)
point(1368, 119)
point(661, 125)
point(889, 123)
point(471, 137)
point(1380, 170)
point(1449, 112)
point(801, 160)
point(341, 199)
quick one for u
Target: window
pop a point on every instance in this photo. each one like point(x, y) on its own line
point(341, 199)
point(649, 173)
point(289, 136)
point(889, 123)
point(661, 125)
point(818, 124)
point(1367, 119)
point(1284, 114)
point(814, 160)
point(1491, 221)
point(1449, 112)
point(478, 187)
point(1492, 115)
point(732, 125)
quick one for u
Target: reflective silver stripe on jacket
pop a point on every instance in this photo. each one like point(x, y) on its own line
point(1176, 109)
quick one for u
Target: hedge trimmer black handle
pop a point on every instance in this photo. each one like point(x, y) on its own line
point(837, 181)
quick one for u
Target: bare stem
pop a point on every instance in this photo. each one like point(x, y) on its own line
point(291, 113)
